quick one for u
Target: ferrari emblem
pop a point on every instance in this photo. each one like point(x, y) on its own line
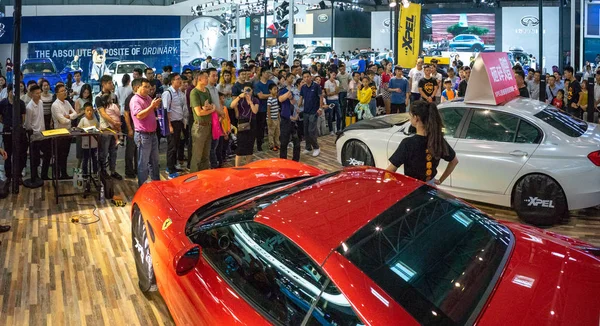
point(166, 224)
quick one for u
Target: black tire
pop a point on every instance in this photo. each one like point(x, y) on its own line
point(356, 153)
point(477, 48)
point(141, 253)
point(540, 200)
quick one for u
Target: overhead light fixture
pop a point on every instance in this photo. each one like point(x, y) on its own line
point(392, 4)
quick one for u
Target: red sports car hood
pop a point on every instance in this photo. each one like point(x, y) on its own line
point(188, 193)
point(547, 281)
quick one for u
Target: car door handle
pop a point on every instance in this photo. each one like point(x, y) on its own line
point(518, 153)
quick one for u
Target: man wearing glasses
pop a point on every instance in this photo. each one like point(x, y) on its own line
point(62, 114)
point(173, 100)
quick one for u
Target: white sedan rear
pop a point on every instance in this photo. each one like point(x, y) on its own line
point(524, 154)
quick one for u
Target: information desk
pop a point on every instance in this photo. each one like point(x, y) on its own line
point(88, 179)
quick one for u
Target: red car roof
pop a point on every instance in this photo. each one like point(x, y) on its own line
point(319, 218)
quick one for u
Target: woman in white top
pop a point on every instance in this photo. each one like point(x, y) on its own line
point(3, 92)
point(47, 103)
point(124, 91)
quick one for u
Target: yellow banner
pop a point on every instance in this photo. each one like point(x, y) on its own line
point(409, 33)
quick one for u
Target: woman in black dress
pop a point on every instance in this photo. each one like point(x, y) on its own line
point(246, 107)
point(421, 153)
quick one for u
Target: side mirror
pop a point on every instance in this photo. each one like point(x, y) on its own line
point(111, 71)
point(186, 259)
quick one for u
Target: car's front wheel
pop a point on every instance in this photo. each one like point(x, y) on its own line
point(356, 153)
point(477, 48)
point(540, 200)
point(141, 253)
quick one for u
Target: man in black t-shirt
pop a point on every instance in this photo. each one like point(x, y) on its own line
point(428, 85)
point(6, 112)
point(462, 86)
point(573, 93)
point(520, 80)
point(130, 146)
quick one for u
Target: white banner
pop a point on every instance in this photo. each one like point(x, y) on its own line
point(380, 30)
point(520, 38)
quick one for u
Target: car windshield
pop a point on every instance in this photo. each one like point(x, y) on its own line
point(437, 257)
point(563, 122)
point(127, 68)
point(37, 67)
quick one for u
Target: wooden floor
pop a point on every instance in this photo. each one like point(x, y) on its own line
point(54, 272)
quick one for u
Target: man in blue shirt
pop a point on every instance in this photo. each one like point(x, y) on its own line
point(261, 89)
point(311, 97)
point(288, 126)
point(362, 64)
point(398, 88)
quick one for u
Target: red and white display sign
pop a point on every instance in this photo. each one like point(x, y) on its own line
point(492, 80)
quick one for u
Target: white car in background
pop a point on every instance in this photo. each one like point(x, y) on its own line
point(119, 68)
point(524, 154)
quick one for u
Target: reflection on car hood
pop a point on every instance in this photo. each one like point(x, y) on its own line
point(381, 122)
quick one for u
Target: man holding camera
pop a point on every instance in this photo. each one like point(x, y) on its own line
point(142, 109)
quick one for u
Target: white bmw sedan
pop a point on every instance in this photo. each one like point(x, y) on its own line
point(524, 154)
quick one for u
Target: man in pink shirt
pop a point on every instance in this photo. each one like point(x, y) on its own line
point(142, 109)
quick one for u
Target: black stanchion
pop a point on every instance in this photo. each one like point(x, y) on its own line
point(16, 145)
point(542, 87)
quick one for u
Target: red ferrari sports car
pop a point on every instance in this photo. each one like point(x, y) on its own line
point(279, 242)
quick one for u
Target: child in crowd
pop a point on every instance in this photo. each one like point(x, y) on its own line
point(89, 144)
point(364, 94)
point(558, 100)
point(448, 94)
point(114, 113)
point(273, 121)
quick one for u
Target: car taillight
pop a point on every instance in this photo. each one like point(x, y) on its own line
point(186, 259)
point(595, 157)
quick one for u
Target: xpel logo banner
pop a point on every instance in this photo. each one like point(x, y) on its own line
point(409, 29)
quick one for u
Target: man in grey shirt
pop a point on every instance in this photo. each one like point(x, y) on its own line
point(173, 101)
point(344, 78)
point(534, 86)
point(217, 145)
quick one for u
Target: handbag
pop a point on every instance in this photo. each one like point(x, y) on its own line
point(243, 126)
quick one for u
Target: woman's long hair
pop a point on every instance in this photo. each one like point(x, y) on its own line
point(429, 115)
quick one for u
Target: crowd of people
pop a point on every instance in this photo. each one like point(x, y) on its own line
point(210, 115)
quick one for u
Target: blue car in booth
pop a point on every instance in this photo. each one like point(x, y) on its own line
point(68, 70)
point(34, 69)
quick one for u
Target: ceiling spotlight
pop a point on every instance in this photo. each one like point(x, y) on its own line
point(405, 3)
point(392, 4)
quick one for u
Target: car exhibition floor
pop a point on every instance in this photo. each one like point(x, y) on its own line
point(55, 272)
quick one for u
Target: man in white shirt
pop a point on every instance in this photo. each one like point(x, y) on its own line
point(332, 90)
point(207, 63)
point(62, 114)
point(76, 86)
point(34, 123)
point(414, 76)
point(173, 101)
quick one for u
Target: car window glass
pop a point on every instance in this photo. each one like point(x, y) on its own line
point(492, 126)
point(563, 122)
point(271, 272)
point(433, 254)
point(528, 134)
point(451, 118)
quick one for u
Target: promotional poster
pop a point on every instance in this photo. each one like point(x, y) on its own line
point(520, 36)
point(409, 29)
